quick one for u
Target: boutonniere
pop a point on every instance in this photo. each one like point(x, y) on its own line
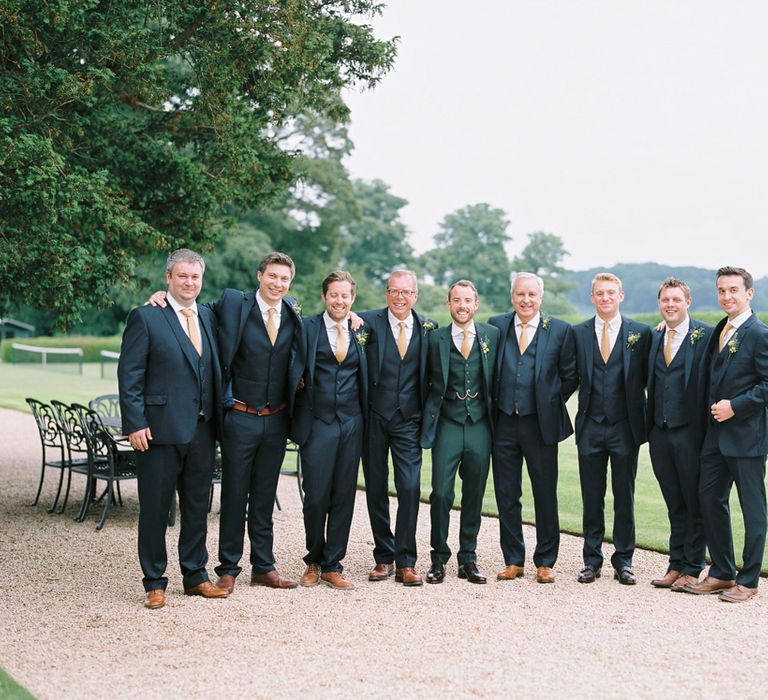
point(484, 346)
point(427, 326)
point(544, 322)
point(361, 337)
point(632, 340)
point(696, 335)
point(296, 308)
point(733, 344)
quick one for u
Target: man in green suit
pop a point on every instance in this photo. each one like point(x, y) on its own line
point(457, 426)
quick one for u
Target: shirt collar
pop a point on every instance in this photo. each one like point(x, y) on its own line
point(456, 331)
point(330, 323)
point(682, 328)
point(614, 324)
point(394, 322)
point(177, 307)
point(264, 307)
point(741, 318)
point(533, 323)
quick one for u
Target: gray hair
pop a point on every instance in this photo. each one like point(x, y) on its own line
point(514, 276)
point(184, 255)
point(411, 274)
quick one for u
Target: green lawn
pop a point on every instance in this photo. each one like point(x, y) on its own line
point(64, 383)
point(11, 690)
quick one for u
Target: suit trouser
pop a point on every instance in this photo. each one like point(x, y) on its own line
point(252, 450)
point(718, 474)
point(329, 459)
point(162, 469)
point(466, 449)
point(598, 443)
point(517, 438)
point(675, 460)
point(400, 437)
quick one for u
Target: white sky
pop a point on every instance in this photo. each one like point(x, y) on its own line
point(635, 130)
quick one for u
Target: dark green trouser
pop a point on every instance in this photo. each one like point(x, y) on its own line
point(466, 449)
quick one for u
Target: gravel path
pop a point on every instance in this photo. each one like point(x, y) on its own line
point(73, 625)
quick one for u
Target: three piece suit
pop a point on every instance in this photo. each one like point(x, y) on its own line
point(167, 386)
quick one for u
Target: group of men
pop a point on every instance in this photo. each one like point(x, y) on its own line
point(250, 371)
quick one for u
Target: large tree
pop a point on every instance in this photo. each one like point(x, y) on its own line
point(131, 127)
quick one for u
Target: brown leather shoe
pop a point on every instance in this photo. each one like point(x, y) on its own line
point(544, 574)
point(667, 580)
point(408, 576)
point(709, 585)
point(381, 572)
point(510, 573)
point(738, 594)
point(207, 590)
point(311, 577)
point(334, 579)
point(226, 583)
point(685, 579)
point(272, 580)
point(154, 599)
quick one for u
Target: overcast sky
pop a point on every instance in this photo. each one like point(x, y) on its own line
point(636, 131)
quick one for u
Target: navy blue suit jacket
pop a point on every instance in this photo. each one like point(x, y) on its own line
point(555, 373)
point(635, 359)
point(743, 380)
point(157, 376)
point(301, 425)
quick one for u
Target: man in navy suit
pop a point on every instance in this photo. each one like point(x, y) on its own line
point(736, 441)
point(676, 423)
point(397, 370)
point(536, 374)
point(328, 425)
point(612, 361)
point(169, 381)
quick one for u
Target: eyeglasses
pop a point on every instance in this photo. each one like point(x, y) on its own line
point(401, 292)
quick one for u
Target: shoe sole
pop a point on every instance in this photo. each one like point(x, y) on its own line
point(545, 580)
point(338, 588)
point(309, 585)
point(623, 583)
point(380, 578)
point(499, 577)
point(590, 580)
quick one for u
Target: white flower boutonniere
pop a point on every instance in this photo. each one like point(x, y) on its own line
point(734, 344)
point(484, 346)
point(544, 322)
point(296, 308)
point(361, 337)
point(696, 335)
point(428, 326)
point(632, 340)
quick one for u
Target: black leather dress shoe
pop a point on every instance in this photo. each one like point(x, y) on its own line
point(625, 576)
point(471, 573)
point(436, 573)
point(588, 574)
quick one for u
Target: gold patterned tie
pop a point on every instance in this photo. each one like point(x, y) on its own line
point(724, 334)
point(523, 341)
point(605, 343)
point(192, 331)
point(271, 327)
point(402, 340)
point(668, 346)
point(341, 343)
point(465, 346)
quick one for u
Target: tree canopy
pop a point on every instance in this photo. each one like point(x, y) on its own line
point(131, 127)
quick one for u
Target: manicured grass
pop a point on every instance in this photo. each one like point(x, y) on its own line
point(20, 381)
point(11, 690)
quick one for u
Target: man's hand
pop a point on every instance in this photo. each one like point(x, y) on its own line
point(355, 321)
point(140, 439)
point(722, 411)
point(157, 299)
point(661, 326)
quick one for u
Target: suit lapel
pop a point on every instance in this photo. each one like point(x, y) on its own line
point(381, 329)
point(740, 335)
point(314, 326)
point(249, 300)
point(588, 333)
point(184, 343)
point(505, 322)
point(445, 351)
point(541, 346)
point(690, 352)
point(626, 351)
point(656, 343)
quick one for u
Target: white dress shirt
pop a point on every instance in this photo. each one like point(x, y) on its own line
point(394, 324)
point(677, 339)
point(182, 318)
point(330, 329)
point(614, 326)
point(530, 329)
point(264, 308)
point(458, 335)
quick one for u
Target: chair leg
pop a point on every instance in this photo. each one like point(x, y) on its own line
point(107, 504)
point(119, 495)
point(89, 489)
point(66, 493)
point(40, 485)
point(277, 502)
point(52, 509)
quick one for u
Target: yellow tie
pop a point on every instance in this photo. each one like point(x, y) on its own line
point(402, 341)
point(465, 346)
point(271, 327)
point(523, 341)
point(723, 335)
point(341, 343)
point(192, 331)
point(668, 346)
point(605, 343)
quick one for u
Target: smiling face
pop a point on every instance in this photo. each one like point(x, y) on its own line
point(462, 303)
point(401, 295)
point(673, 306)
point(606, 298)
point(338, 300)
point(274, 283)
point(185, 281)
point(526, 298)
point(733, 295)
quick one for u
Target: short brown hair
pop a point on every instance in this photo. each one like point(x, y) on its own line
point(339, 276)
point(462, 283)
point(276, 258)
point(674, 282)
point(606, 277)
point(184, 255)
point(729, 271)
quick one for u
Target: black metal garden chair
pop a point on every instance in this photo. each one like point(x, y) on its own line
point(53, 443)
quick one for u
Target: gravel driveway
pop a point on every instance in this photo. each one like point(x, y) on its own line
point(73, 625)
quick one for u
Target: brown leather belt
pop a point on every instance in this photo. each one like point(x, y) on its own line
point(245, 408)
